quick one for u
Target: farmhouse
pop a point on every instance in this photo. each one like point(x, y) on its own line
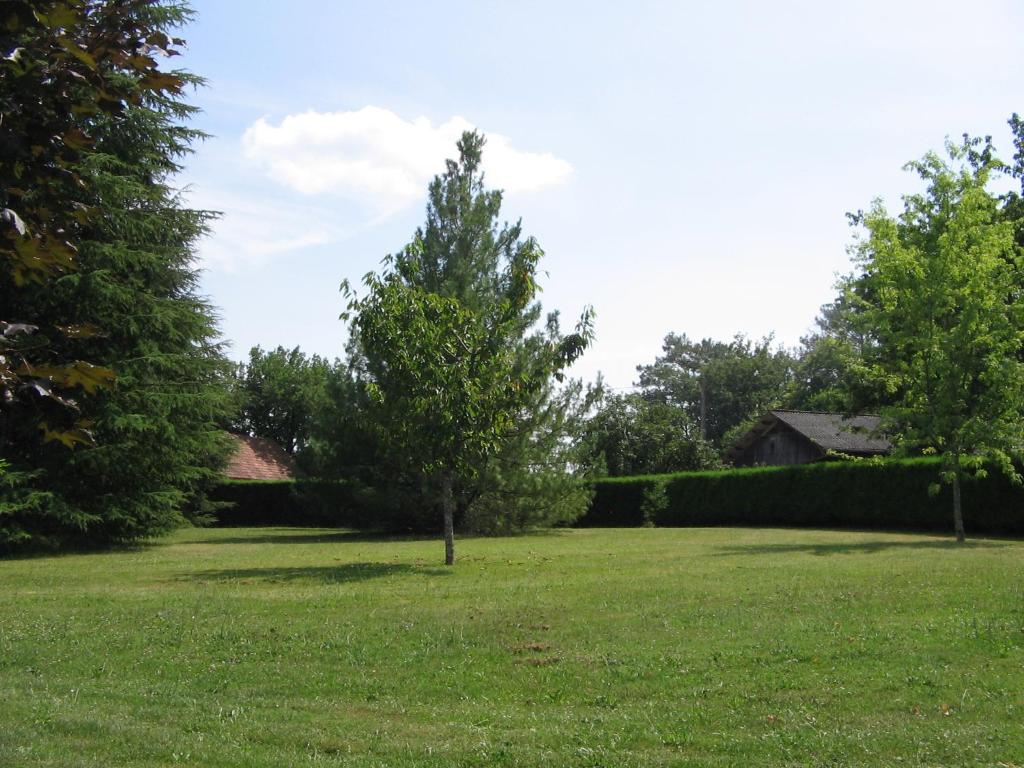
point(800, 437)
point(258, 458)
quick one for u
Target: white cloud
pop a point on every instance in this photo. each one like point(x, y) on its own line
point(375, 156)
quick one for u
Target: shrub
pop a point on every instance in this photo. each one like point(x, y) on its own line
point(655, 502)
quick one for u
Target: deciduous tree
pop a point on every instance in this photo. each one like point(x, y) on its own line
point(940, 291)
point(829, 373)
point(460, 385)
point(282, 392)
point(719, 384)
point(633, 435)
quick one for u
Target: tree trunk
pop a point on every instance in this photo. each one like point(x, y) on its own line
point(703, 409)
point(958, 515)
point(448, 504)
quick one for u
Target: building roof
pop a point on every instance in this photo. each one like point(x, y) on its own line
point(258, 458)
point(828, 431)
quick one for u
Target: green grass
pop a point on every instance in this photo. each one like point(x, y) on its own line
point(723, 647)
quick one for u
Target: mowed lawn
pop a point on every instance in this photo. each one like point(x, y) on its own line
point(645, 647)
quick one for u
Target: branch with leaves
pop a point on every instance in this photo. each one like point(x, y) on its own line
point(63, 65)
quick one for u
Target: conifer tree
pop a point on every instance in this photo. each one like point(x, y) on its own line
point(157, 441)
point(464, 260)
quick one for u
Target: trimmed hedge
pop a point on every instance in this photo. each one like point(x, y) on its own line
point(300, 503)
point(889, 495)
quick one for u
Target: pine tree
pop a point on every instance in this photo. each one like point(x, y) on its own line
point(134, 290)
point(470, 263)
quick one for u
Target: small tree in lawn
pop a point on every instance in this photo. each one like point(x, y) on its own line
point(940, 291)
point(443, 382)
point(514, 420)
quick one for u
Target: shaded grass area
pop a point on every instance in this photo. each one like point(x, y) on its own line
point(638, 647)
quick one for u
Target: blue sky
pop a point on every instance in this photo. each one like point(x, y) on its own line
point(686, 167)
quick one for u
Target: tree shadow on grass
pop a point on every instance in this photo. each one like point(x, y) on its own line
point(853, 548)
point(328, 574)
point(73, 548)
point(312, 536)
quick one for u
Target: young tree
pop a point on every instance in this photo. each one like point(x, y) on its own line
point(281, 393)
point(941, 294)
point(457, 381)
point(158, 439)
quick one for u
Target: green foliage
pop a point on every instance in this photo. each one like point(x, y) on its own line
point(529, 483)
point(17, 501)
point(438, 379)
point(67, 68)
point(655, 502)
point(634, 435)
point(1012, 208)
point(718, 384)
point(829, 372)
point(460, 392)
point(939, 292)
point(834, 372)
point(868, 494)
point(158, 431)
point(281, 392)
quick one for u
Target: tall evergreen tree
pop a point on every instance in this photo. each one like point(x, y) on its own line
point(157, 437)
point(62, 62)
point(464, 258)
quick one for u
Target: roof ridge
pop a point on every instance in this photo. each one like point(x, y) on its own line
point(820, 413)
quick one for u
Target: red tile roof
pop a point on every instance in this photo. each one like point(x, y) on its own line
point(258, 458)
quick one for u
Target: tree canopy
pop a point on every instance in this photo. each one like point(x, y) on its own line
point(455, 377)
point(130, 294)
point(631, 434)
point(281, 392)
point(939, 293)
point(720, 385)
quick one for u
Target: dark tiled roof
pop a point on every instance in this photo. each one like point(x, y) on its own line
point(258, 458)
point(836, 432)
point(829, 431)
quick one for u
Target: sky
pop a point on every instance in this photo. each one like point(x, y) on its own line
point(686, 167)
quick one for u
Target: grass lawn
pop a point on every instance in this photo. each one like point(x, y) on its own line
point(641, 647)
